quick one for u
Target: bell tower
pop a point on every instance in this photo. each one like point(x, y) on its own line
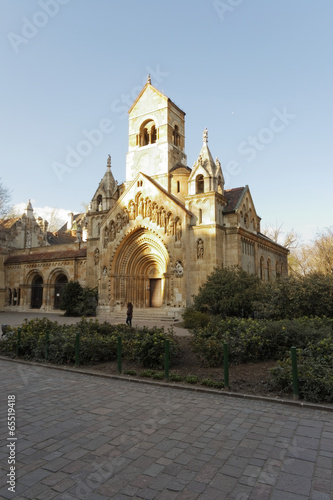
point(156, 136)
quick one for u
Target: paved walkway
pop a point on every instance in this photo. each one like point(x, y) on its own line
point(86, 437)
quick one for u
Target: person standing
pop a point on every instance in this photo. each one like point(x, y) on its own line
point(129, 314)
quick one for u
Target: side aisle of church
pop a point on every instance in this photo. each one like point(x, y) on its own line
point(151, 240)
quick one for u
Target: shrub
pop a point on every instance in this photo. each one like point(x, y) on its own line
point(315, 376)
point(251, 341)
point(98, 343)
point(195, 319)
point(228, 292)
point(78, 301)
point(130, 372)
point(175, 377)
point(208, 382)
point(192, 379)
point(148, 347)
point(147, 373)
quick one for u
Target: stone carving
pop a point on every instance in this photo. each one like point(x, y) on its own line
point(106, 237)
point(132, 210)
point(200, 249)
point(125, 217)
point(105, 271)
point(112, 231)
point(148, 209)
point(171, 226)
point(141, 208)
point(96, 256)
point(154, 214)
point(179, 270)
point(163, 219)
point(119, 223)
point(178, 234)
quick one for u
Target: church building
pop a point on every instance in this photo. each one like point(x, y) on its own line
point(152, 240)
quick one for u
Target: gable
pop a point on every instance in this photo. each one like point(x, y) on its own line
point(149, 95)
point(240, 202)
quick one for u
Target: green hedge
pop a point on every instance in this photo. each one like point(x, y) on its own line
point(98, 343)
point(251, 341)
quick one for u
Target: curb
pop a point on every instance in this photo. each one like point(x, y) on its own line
point(266, 399)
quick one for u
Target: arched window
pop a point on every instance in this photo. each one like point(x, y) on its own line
point(178, 186)
point(176, 136)
point(268, 269)
point(200, 184)
point(148, 133)
point(99, 203)
point(200, 216)
point(261, 268)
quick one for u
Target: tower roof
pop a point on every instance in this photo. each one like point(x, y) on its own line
point(108, 183)
point(205, 159)
point(29, 211)
point(148, 85)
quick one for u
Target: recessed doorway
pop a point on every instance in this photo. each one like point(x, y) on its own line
point(155, 286)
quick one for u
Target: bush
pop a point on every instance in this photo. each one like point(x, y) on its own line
point(251, 341)
point(78, 301)
point(98, 343)
point(195, 319)
point(228, 292)
point(208, 382)
point(191, 379)
point(148, 347)
point(315, 376)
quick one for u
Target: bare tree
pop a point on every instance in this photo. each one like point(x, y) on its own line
point(5, 197)
point(55, 221)
point(290, 240)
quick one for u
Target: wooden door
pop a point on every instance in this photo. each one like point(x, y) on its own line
point(155, 292)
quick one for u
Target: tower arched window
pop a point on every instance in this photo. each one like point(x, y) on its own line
point(99, 203)
point(200, 184)
point(148, 133)
point(176, 136)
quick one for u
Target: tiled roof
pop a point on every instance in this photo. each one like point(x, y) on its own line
point(60, 238)
point(76, 218)
point(8, 223)
point(44, 256)
point(233, 196)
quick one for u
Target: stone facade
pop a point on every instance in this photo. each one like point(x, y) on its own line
point(152, 240)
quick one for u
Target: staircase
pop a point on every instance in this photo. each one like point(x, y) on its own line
point(149, 315)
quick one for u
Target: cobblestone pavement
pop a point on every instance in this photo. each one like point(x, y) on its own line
point(86, 437)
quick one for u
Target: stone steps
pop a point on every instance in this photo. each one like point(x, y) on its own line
point(143, 315)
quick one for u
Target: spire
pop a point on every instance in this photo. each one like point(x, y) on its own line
point(205, 136)
point(149, 79)
point(109, 162)
point(29, 211)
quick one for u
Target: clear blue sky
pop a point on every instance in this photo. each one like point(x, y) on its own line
point(258, 74)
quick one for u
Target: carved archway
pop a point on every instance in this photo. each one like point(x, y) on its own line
point(139, 271)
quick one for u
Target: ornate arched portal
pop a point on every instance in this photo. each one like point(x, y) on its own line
point(139, 271)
